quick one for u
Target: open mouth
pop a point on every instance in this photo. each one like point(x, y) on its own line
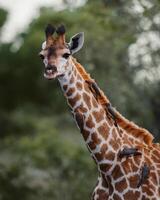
point(50, 72)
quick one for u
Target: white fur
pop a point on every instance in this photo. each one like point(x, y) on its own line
point(45, 61)
point(44, 45)
point(61, 65)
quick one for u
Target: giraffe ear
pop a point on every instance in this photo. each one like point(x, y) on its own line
point(76, 42)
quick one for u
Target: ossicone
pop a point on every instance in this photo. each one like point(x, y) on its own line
point(61, 30)
point(49, 30)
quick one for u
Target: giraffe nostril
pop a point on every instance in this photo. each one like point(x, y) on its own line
point(54, 68)
point(41, 56)
point(51, 67)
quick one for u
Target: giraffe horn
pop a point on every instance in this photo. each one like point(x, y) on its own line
point(61, 33)
point(49, 31)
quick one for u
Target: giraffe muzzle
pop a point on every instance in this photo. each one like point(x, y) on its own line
point(50, 72)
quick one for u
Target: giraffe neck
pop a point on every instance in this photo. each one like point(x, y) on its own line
point(119, 177)
point(97, 130)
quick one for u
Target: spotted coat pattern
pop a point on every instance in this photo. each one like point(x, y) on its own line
point(118, 177)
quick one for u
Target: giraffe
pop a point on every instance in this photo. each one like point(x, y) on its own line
point(128, 161)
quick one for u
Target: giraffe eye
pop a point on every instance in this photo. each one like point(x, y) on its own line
point(66, 55)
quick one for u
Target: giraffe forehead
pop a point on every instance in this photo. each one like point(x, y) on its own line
point(55, 46)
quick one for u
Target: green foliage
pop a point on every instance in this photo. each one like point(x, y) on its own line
point(44, 165)
point(3, 17)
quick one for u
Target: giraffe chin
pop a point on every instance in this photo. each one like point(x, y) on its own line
point(50, 76)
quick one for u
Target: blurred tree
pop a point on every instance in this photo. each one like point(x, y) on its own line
point(3, 17)
point(44, 166)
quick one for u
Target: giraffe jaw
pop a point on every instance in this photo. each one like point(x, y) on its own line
point(51, 74)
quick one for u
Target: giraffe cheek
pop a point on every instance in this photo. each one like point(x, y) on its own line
point(62, 65)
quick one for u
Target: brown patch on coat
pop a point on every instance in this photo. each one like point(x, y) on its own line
point(102, 194)
point(114, 133)
point(104, 182)
point(132, 164)
point(65, 87)
point(79, 77)
point(99, 116)
point(75, 73)
point(133, 180)
point(79, 86)
point(86, 88)
point(102, 154)
point(110, 155)
point(95, 138)
point(103, 130)
point(104, 148)
point(149, 189)
point(70, 91)
point(92, 145)
point(155, 157)
point(121, 185)
point(117, 173)
point(80, 120)
point(115, 143)
point(145, 198)
point(99, 156)
point(89, 122)
point(73, 101)
point(128, 140)
point(72, 79)
point(116, 197)
point(159, 191)
point(131, 195)
point(126, 166)
point(85, 134)
point(105, 167)
point(94, 102)
point(83, 109)
point(153, 178)
point(111, 189)
point(87, 100)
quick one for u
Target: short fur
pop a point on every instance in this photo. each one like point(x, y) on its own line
point(138, 132)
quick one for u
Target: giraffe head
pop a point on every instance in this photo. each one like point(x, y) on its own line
point(56, 52)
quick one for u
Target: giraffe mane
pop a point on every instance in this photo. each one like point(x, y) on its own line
point(131, 128)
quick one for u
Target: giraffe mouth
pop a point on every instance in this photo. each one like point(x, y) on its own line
point(50, 72)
